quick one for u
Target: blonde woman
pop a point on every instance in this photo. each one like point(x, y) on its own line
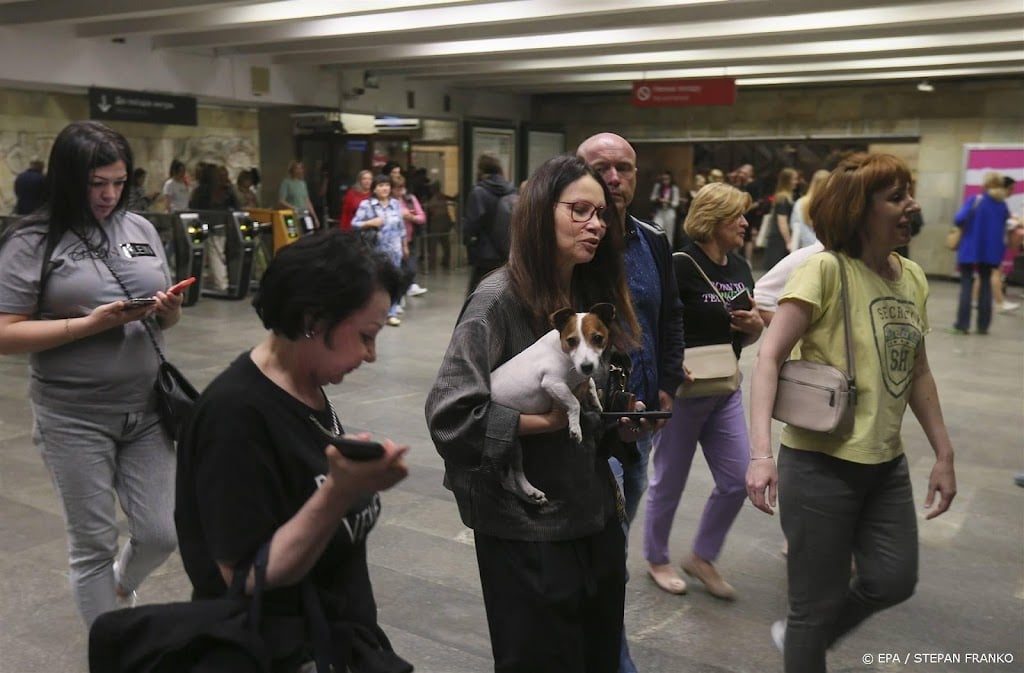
point(716, 225)
point(777, 245)
point(802, 227)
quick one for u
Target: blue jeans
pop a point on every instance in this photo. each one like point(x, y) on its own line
point(963, 311)
point(632, 479)
point(632, 482)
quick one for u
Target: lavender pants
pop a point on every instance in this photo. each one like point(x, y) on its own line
point(718, 423)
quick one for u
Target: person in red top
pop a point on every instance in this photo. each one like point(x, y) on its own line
point(356, 194)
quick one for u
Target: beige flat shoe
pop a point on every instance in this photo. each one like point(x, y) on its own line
point(706, 573)
point(666, 578)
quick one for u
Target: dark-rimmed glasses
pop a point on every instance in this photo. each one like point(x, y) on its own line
point(581, 211)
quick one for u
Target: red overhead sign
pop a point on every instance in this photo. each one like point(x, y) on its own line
point(678, 92)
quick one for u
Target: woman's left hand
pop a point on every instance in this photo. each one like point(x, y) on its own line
point(762, 484)
point(942, 481)
point(168, 308)
point(632, 429)
point(748, 322)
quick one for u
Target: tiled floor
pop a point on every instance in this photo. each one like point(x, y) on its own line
point(970, 598)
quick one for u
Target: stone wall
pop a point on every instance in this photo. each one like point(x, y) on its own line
point(30, 120)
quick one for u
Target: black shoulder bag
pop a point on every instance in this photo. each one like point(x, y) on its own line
point(202, 636)
point(175, 395)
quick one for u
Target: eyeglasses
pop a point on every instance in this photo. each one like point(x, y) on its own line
point(582, 211)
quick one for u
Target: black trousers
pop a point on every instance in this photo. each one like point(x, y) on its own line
point(831, 508)
point(554, 607)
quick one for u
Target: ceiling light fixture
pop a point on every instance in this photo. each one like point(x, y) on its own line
point(925, 86)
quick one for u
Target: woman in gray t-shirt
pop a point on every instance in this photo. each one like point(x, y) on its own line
point(65, 275)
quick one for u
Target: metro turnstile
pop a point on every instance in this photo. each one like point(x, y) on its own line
point(239, 241)
point(189, 237)
point(284, 226)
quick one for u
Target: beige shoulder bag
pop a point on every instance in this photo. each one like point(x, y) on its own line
point(816, 396)
point(714, 369)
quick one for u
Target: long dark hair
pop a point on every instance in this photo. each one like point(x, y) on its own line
point(78, 149)
point(532, 270)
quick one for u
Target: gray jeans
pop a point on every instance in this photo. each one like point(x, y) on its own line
point(91, 456)
point(830, 509)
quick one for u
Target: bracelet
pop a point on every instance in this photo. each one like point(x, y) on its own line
point(768, 457)
point(67, 329)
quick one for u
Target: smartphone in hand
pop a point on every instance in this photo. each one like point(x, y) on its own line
point(178, 288)
point(138, 302)
point(741, 302)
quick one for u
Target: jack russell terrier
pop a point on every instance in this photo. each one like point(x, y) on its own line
point(550, 370)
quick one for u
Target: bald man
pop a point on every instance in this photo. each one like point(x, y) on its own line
point(658, 361)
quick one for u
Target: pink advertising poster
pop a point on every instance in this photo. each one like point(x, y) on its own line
point(1007, 160)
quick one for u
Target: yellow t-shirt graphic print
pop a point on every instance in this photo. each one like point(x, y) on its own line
point(897, 328)
point(888, 321)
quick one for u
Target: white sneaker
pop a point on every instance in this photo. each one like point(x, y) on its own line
point(779, 634)
point(394, 321)
point(1007, 306)
point(399, 310)
point(123, 601)
point(415, 290)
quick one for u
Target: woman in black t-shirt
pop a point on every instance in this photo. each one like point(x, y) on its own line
point(708, 274)
point(252, 468)
point(777, 245)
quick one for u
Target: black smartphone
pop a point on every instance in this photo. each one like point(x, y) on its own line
point(351, 448)
point(741, 302)
point(136, 302)
point(638, 415)
point(358, 449)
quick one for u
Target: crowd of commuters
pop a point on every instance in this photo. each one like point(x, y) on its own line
point(253, 471)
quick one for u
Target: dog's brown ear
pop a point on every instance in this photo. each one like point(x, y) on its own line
point(604, 311)
point(560, 317)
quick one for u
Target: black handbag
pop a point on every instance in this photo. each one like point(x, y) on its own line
point(175, 395)
point(233, 635)
point(222, 635)
point(370, 236)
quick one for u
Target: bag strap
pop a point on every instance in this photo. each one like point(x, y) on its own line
point(127, 294)
point(714, 289)
point(851, 373)
point(970, 213)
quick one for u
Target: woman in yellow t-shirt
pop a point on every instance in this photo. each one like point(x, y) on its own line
point(850, 495)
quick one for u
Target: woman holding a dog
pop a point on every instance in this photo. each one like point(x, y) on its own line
point(553, 575)
point(715, 288)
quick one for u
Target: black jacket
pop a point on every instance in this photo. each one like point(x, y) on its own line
point(482, 242)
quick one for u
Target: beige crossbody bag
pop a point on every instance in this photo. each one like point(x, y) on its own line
point(714, 368)
point(816, 396)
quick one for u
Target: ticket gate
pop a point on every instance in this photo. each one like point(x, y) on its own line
point(284, 226)
point(306, 222)
point(234, 230)
point(189, 237)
